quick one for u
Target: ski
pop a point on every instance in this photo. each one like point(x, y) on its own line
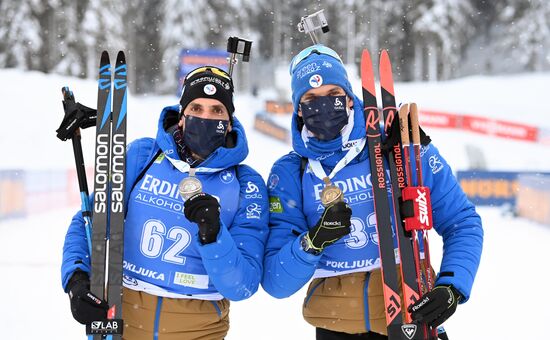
point(408, 243)
point(392, 301)
point(117, 205)
point(108, 206)
point(101, 183)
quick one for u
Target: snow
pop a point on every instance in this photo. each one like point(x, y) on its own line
point(507, 292)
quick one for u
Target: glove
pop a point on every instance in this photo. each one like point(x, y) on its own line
point(85, 306)
point(204, 210)
point(436, 306)
point(333, 225)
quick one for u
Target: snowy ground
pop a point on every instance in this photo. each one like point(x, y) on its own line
point(504, 299)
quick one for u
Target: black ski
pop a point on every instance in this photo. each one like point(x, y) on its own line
point(117, 211)
point(108, 213)
point(101, 181)
point(407, 242)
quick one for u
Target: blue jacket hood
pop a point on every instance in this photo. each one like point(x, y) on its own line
point(222, 157)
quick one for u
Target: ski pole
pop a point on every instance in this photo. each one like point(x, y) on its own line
point(70, 129)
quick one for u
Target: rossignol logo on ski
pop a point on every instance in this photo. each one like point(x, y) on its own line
point(409, 330)
point(373, 122)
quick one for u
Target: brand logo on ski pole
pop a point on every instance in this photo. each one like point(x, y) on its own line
point(423, 207)
point(409, 330)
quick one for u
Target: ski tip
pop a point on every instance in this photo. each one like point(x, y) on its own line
point(366, 56)
point(386, 76)
point(120, 58)
point(105, 58)
point(367, 74)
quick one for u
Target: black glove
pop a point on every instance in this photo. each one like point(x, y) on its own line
point(333, 225)
point(85, 306)
point(436, 306)
point(204, 210)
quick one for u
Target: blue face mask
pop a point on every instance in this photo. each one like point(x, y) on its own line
point(204, 136)
point(325, 116)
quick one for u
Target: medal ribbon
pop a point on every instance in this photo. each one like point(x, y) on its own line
point(185, 167)
point(320, 173)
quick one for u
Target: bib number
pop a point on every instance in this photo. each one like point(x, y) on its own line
point(154, 235)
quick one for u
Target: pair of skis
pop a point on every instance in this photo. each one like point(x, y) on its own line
point(109, 205)
point(396, 157)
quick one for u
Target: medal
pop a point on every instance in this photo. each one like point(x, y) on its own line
point(330, 193)
point(190, 186)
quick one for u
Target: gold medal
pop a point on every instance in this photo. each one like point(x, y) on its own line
point(330, 193)
point(189, 186)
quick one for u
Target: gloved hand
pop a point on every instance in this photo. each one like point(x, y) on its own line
point(204, 210)
point(333, 225)
point(436, 306)
point(85, 306)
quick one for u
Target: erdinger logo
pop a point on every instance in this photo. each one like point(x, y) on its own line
point(209, 89)
point(315, 81)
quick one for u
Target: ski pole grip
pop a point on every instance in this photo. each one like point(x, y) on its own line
point(404, 123)
point(414, 124)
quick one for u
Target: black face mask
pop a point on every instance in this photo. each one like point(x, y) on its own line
point(203, 136)
point(325, 116)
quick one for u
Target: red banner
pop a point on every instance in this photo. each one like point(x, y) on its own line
point(486, 126)
point(500, 128)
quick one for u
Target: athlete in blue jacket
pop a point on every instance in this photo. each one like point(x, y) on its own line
point(337, 246)
point(183, 261)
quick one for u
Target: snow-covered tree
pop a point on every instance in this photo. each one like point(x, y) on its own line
point(444, 29)
point(524, 33)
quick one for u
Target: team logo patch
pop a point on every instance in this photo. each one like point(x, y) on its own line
point(273, 181)
point(435, 164)
point(316, 80)
point(226, 176)
point(275, 205)
point(209, 89)
point(253, 211)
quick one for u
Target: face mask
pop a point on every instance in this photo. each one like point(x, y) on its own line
point(203, 136)
point(325, 116)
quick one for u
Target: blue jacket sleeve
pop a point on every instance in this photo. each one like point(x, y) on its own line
point(456, 220)
point(287, 266)
point(75, 249)
point(234, 262)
